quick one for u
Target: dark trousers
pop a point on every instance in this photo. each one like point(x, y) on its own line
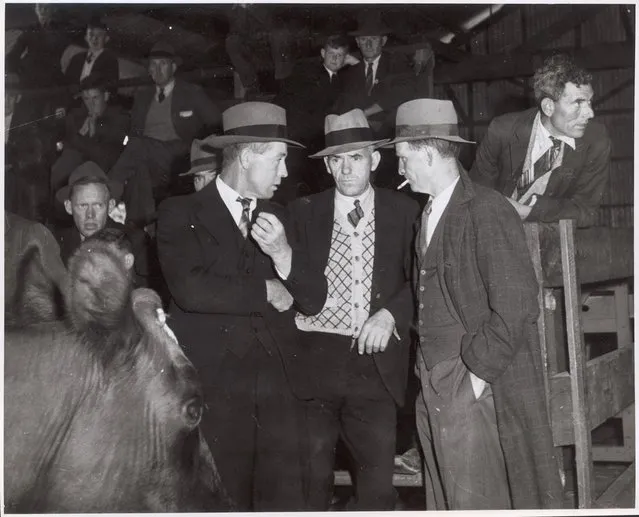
point(464, 464)
point(351, 402)
point(144, 168)
point(251, 423)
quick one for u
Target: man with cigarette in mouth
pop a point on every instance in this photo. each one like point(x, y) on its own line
point(354, 353)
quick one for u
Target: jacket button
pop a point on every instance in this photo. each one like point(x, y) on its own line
point(421, 288)
point(421, 322)
point(377, 295)
point(422, 272)
point(357, 305)
point(421, 305)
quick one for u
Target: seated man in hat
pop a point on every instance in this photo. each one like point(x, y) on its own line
point(95, 132)
point(97, 60)
point(165, 119)
point(481, 411)
point(354, 353)
point(234, 272)
point(89, 197)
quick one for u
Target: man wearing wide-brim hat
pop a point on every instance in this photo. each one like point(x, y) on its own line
point(206, 162)
point(353, 355)
point(234, 271)
point(481, 413)
point(165, 119)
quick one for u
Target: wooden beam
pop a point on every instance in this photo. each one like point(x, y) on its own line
point(610, 94)
point(494, 67)
point(466, 37)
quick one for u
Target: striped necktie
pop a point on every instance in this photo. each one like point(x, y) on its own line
point(245, 220)
point(423, 234)
point(356, 214)
point(547, 160)
point(369, 78)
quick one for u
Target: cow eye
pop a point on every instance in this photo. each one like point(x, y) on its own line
point(192, 412)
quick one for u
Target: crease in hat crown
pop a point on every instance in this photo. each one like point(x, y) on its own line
point(163, 49)
point(347, 132)
point(202, 159)
point(88, 172)
point(249, 122)
point(427, 118)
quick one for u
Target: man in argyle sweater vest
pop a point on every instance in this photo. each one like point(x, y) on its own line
point(353, 354)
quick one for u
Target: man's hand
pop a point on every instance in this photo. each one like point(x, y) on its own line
point(270, 236)
point(522, 210)
point(350, 60)
point(376, 332)
point(278, 296)
point(60, 113)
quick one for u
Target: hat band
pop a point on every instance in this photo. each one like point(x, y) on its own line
point(261, 131)
point(428, 130)
point(161, 54)
point(204, 161)
point(348, 136)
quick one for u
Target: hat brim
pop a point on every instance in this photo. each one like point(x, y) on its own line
point(115, 188)
point(376, 32)
point(199, 168)
point(176, 59)
point(457, 139)
point(345, 148)
point(224, 140)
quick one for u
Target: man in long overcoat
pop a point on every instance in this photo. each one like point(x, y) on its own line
point(481, 413)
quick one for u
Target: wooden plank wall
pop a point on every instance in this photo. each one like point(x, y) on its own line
point(480, 102)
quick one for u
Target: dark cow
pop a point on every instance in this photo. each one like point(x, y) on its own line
point(102, 408)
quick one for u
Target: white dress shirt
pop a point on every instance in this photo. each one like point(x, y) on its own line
point(440, 202)
point(229, 196)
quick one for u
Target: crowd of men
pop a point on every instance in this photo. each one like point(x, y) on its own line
point(300, 319)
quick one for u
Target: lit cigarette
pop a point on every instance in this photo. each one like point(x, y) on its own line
point(403, 185)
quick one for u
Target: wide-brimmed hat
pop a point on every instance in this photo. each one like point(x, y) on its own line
point(426, 118)
point(347, 132)
point(252, 122)
point(96, 22)
point(370, 23)
point(86, 172)
point(203, 158)
point(164, 50)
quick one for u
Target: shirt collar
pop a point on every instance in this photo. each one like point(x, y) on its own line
point(94, 54)
point(330, 72)
point(167, 89)
point(229, 195)
point(346, 203)
point(441, 200)
point(545, 134)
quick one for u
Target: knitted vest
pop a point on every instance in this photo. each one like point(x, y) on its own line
point(159, 123)
point(349, 270)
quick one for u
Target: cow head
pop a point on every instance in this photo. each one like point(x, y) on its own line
point(130, 441)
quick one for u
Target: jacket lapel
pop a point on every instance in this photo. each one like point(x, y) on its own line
point(519, 142)
point(319, 228)
point(211, 213)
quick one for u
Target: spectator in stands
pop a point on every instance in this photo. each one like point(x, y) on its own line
point(308, 95)
point(354, 352)
point(205, 163)
point(551, 162)
point(89, 197)
point(95, 132)
point(96, 60)
point(165, 119)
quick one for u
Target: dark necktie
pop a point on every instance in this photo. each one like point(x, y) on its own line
point(369, 77)
point(245, 220)
point(89, 58)
point(356, 214)
point(547, 160)
point(161, 95)
point(424, 226)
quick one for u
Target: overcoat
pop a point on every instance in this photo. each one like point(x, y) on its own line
point(483, 260)
point(575, 188)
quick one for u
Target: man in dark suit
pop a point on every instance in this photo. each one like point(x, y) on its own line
point(551, 162)
point(481, 413)
point(165, 119)
point(354, 353)
point(230, 263)
point(97, 60)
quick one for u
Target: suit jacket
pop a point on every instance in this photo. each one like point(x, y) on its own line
point(483, 260)
point(106, 66)
point(308, 96)
point(395, 83)
point(217, 282)
point(574, 190)
point(194, 115)
point(105, 146)
point(395, 215)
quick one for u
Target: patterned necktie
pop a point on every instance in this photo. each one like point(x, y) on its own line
point(356, 214)
point(245, 220)
point(547, 160)
point(161, 95)
point(369, 77)
point(423, 234)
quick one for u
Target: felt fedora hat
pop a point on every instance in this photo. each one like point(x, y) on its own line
point(89, 172)
point(249, 122)
point(164, 50)
point(370, 23)
point(347, 132)
point(203, 158)
point(426, 118)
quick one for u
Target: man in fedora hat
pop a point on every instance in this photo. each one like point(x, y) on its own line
point(353, 354)
point(165, 119)
point(205, 164)
point(89, 198)
point(481, 413)
point(233, 272)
